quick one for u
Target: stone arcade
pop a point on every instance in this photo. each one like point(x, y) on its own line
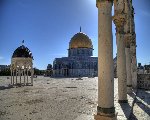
point(22, 66)
point(126, 55)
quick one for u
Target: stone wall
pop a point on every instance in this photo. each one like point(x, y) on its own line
point(143, 81)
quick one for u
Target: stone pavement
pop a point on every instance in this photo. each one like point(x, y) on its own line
point(65, 99)
point(141, 109)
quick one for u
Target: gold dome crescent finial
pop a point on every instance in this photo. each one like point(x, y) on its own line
point(22, 41)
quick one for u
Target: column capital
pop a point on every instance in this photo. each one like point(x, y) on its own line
point(98, 2)
point(119, 20)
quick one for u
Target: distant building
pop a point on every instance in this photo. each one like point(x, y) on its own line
point(79, 62)
point(140, 69)
point(22, 66)
point(143, 69)
point(49, 67)
point(49, 70)
point(4, 67)
point(143, 81)
point(143, 76)
point(147, 68)
point(5, 70)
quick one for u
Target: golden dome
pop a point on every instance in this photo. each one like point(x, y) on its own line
point(80, 40)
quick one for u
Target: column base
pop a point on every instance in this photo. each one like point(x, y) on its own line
point(105, 114)
point(101, 117)
point(122, 101)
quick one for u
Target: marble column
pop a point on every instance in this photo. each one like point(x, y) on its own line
point(16, 76)
point(134, 66)
point(128, 63)
point(32, 73)
point(133, 51)
point(119, 20)
point(128, 68)
point(20, 75)
point(121, 69)
point(11, 77)
point(27, 75)
point(24, 74)
point(105, 108)
point(127, 39)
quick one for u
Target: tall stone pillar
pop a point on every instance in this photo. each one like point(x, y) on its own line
point(24, 73)
point(16, 76)
point(105, 108)
point(20, 75)
point(32, 73)
point(128, 63)
point(134, 66)
point(11, 77)
point(121, 69)
point(133, 51)
point(119, 20)
point(127, 39)
point(27, 75)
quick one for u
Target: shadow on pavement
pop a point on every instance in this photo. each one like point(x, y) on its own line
point(5, 87)
point(144, 95)
point(126, 109)
point(144, 107)
point(133, 94)
point(133, 117)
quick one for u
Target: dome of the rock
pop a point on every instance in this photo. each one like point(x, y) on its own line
point(80, 40)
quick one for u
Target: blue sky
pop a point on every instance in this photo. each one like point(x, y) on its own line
point(48, 25)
